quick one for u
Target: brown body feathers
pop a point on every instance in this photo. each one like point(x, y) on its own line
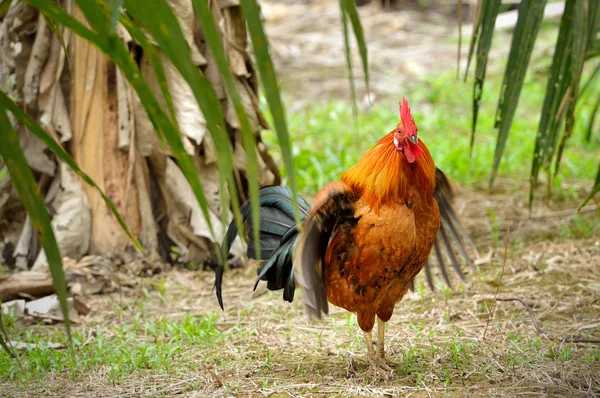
point(376, 228)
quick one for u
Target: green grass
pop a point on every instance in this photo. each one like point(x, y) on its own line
point(326, 143)
point(262, 345)
point(135, 345)
point(580, 227)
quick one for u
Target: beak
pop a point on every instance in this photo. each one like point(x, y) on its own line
point(413, 139)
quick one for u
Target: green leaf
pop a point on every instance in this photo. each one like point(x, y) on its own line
point(593, 24)
point(555, 99)
point(57, 149)
point(474, 35)
point(530, 17)
point(577, 54)
point(115, 49)
point(152, 53)
point(22, 178)
point(591, 79)
point(490, 9)
point(269, 80)
point(4, 6)
point(348, 57)
point(590, 126)
point(595, 190)
point(162, 24)
point(116, 11)
point(215, 43)
point(349, 8)
point(460, 23)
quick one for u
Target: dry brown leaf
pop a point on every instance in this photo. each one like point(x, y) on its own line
point(189, 117)
point(237, 39)
point(37, 59)
point(251, 111)
point(72, 221)
point(184, 12)
point(187, 226)
point(60, 117)
point(211, 72)
point(35, 153)
point(209, 175)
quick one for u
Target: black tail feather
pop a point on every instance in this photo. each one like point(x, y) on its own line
point(278, 236)
point(450, 231)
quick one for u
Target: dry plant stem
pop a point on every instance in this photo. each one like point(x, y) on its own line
point(535, 322)
point(217, 379)
point(493, 306)
point(542, 331)
point(561, 213)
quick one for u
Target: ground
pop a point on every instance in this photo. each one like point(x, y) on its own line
point(166, 335)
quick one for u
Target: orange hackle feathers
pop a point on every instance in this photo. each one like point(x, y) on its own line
point(386, 173)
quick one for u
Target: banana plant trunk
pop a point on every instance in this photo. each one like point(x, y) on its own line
point(82, 99)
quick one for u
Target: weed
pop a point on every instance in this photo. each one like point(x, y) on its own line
point(580, 227)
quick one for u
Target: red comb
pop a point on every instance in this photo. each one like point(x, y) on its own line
point(407, 119)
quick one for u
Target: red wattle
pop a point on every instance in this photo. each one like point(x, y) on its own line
point(412, 153)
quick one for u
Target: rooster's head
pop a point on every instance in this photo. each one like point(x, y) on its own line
point(405, 137)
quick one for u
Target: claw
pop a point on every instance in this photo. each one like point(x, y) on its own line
point(380, 364)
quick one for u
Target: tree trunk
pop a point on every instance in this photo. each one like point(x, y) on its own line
point(88, 106)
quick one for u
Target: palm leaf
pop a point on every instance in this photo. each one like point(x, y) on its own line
point(214, 41)
point(593, 24)
point(590, 80)
point(530, 17)
point(554, 101)
point(474, 35)
point(348, 7)
point(590, 126)
point(577, 54)
point(25, 184)
point(348, 56)
point(266, 71)
point(115, 5)
point(157, 66)
point(460, 21)
point(595, 190)
point(115, 49)
point(162, 24)
point(489, 10)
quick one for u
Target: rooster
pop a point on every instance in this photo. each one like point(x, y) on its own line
point(365, 238)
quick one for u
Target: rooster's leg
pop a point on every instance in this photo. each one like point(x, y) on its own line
point(374, 358)
point(369, 341)
point(380, 339)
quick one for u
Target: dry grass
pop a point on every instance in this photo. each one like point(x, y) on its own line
point(264, 346)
